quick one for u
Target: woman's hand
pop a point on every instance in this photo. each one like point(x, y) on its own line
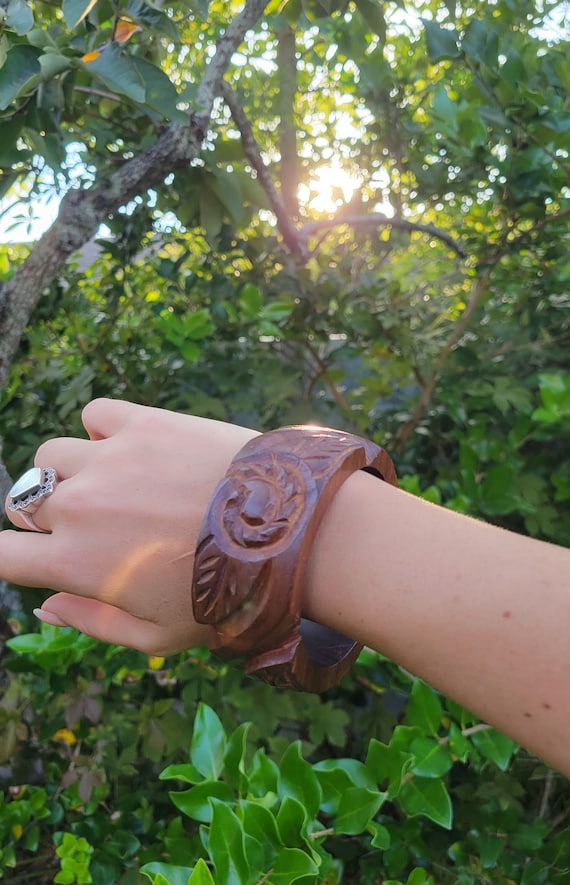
point(123, 524)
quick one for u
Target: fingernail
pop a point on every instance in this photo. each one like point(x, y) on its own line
point(49, 618)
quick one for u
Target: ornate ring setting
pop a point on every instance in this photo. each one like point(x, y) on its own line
point(27, 494)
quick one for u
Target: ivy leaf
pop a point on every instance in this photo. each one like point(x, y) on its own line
point(387, 764)
point(441, 42)
point(424, 708)
point(428, 797)
point(431, 759)
point(338, 775)
point(208, 742)
point(494, 746)
point(356, 809)
point(227, 846)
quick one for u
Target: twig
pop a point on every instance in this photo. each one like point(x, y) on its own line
point(99, 93)
point(548, 782)
point(477, 292)
point(377, 219)
point(466, 732)
point(323, 373)
point(288, 231)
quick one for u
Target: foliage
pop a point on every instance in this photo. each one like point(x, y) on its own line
point(439, 329)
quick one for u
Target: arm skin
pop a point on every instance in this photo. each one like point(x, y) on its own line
point(480, 613)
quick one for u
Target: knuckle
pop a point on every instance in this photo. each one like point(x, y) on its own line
point(47, 452)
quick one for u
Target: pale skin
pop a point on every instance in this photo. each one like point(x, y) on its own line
point(480, 613)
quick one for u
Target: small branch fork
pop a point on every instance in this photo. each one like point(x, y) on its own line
point(376, 219)
point(289, 232)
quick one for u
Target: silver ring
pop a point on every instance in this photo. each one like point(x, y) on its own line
point(27, 494)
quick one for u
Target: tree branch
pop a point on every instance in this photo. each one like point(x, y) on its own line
point(376, 219)
point(477, 292)
point(82, 211)
point(288, 231)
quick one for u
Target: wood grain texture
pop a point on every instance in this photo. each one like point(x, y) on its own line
point(254, 546)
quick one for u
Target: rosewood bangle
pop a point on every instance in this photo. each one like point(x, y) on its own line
point(254, 546)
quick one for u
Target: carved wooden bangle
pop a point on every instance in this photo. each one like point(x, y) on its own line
point(254, 546)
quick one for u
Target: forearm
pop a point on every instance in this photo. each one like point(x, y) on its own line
point(481, 613)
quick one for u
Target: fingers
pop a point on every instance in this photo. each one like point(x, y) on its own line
point(67, 455)
point(105, 417)
point(25, 558)
point(101, 621)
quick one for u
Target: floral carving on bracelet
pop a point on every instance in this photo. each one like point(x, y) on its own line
point(258, 508)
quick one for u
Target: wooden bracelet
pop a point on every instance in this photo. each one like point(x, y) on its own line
point(254, 546)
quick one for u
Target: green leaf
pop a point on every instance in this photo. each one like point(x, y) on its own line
point(208, 742)
point(380, 835)
point(53, 64)
point(160, 93)
point(195, 802)
point(292, 821)
point(227, 189)
point(441, 42)
point(19, 17)
point(74, 11)
point(118, 72)
point(290, 865)
point(263, 774)
point(298, 780)
point(276, 311)
point(21, 65)
point(26, 643)
point(424, 708)
point(152, 19)
point(250, 300)
point(169, 873)
point(201, 875)
point(373, 14)
point(429, 798)
point(182, 772)
point(211, 214)
point(387, 764)
point(356, 809)
point(234, 758)
point(494, 746)
point(431, 759)
point(260, 823)
point(227, 846)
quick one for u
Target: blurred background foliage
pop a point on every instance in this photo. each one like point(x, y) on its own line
point(414, 289)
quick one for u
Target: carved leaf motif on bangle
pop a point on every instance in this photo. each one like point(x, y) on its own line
point(323, 454)
point(224, 587)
